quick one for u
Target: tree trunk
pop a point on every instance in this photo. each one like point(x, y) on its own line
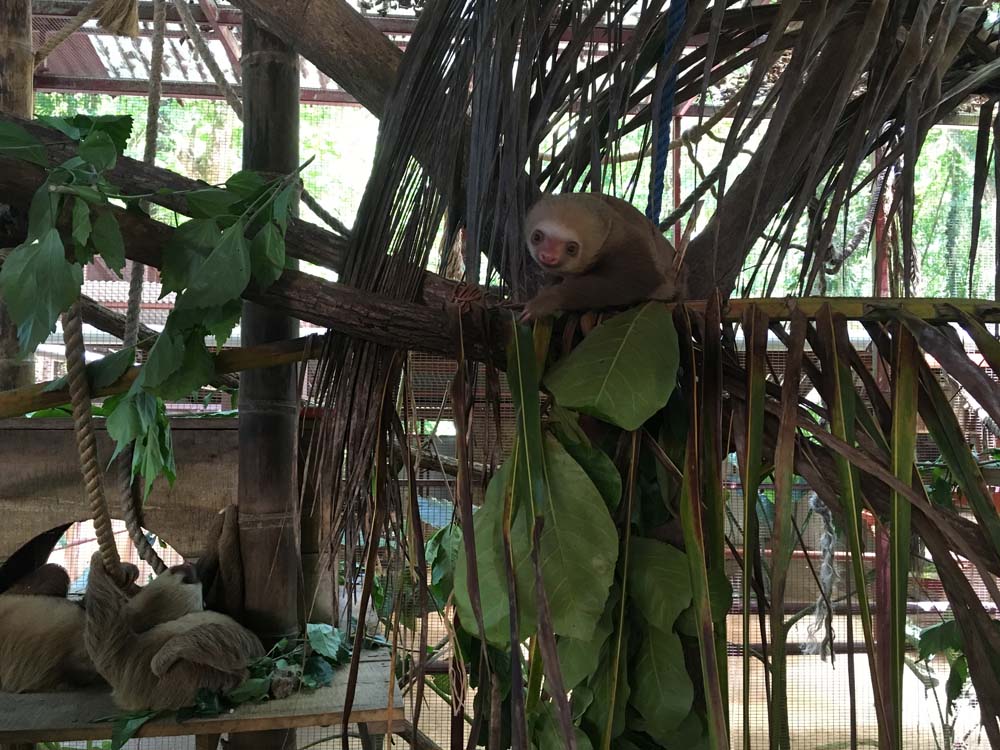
point(16, 66)
point(268, 481)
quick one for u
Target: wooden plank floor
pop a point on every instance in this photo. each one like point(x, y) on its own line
point(62, 717)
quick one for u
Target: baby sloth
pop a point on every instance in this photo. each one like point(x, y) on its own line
point(164, 666)
point(602, 251)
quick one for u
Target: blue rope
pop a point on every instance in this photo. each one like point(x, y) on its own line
point(675, 22)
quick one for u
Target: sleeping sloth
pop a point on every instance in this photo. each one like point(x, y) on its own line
point(163, 666)
point(41, 632)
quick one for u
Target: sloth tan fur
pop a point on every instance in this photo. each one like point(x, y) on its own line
point(164, 666)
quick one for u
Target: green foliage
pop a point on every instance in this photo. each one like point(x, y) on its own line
point(661, 688)
point(102, 373)
point(126, 727)
point(235, 237)
point(328, 642)
point(624, 661)
point(579, 547)
point(17, 142)
point(442, 553)
point(38, 285)
point(614, 375)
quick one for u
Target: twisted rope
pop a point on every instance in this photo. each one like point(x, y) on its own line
point(130, 503)
point(119, 17)
point(79, 392)
point(675, 22)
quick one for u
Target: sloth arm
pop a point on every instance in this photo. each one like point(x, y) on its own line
point(221, 646)
point(627, 275)
point(48, 580)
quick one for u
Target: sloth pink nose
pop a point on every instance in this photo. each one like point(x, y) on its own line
point(548, 256)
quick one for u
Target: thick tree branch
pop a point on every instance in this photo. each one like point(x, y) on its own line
point(341, 308)
point(305, 241)
point(337, 40)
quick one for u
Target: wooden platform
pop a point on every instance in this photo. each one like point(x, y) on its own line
point(62, 717)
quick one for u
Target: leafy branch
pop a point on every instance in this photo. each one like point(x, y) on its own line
point(235, 237)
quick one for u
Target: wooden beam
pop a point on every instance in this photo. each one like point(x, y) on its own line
point(61, 717)
point(17, 64)
point(171, 89)
point(338, 40)
point(20, 401)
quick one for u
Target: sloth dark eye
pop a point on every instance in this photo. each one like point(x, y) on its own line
point(537, 236)
point(572, 248)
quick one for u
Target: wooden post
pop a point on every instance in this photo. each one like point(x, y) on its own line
point(16, 97)
point(268, 427)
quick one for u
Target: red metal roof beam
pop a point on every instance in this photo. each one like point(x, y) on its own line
point(224, 32)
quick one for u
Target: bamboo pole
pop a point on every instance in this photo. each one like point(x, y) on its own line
point(268, 494)
point(16, 98)
point(19, 401)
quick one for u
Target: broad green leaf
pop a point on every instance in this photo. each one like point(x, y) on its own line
point(720, 596)
point(661, 688)
point(42, 212)
point(108, 369)
point(197, 369)
point(659, 581)
point(81, 222)
point(38, 285)
point(154, 455)
point(522, 377)
point(186, 250)
point(267, 255)
point(579, 659)
point(210, 202)
point(124, 424)
point(487, 525)
point(326, 640)
point(117, 127)
point(62, 124)
point(102, 373)
point(609, 685)
point(579, 546)
point(624, 371)
point(690, 735)
point(599, 467)
point(246, 184)
point(957, 678)
point(165, 358)
point(220, 321)
point(940, 639)
point(250, 691)
point(107, 240)
point(442, 554)
point(56, 412)
point(99, 150)
point(126, 726)
point(224, 274)
point(18, 143)
point(548, 735)
point(281, 206)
